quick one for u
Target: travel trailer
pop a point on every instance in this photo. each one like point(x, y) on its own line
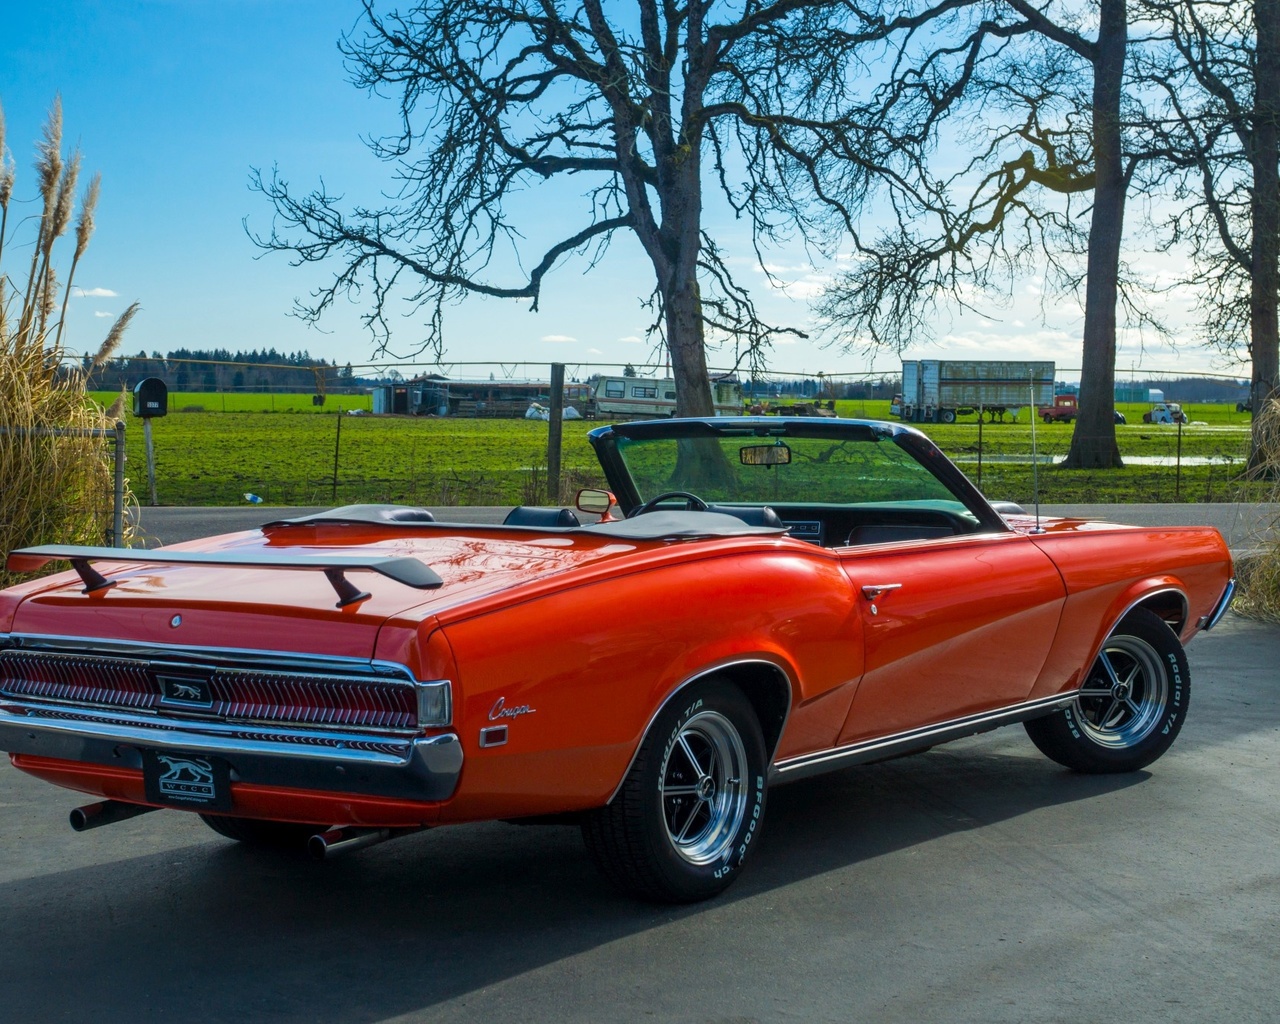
point(639, 398)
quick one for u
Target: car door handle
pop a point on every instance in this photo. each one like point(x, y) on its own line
point(875, 591)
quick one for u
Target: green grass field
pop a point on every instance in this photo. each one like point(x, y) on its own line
point(221, 401)
point(208, 458)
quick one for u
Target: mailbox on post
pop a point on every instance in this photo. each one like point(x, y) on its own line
point(150, 397)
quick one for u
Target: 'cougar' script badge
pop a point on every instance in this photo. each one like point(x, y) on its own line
point(500, 710)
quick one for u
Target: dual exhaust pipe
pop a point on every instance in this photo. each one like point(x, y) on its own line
point(322, 846)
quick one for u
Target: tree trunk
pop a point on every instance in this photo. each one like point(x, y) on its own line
point(1264, 330)
point(1093, 443)
point(686, 343)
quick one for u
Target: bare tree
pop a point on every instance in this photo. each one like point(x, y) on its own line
point(638, 110)
point(1217, 63)
point(1038, 103)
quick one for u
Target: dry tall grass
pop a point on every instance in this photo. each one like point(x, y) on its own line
point(53, 489)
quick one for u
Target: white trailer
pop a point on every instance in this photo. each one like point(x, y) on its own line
point(938, 390)
point(641, 398)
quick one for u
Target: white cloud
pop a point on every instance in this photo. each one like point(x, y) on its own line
point(99, 312)
point(97, 293)
point(558, 337)
point(631, 339)
point(594, 352)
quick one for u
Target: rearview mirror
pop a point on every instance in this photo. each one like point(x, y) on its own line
point(765, 455)
point(595, 500)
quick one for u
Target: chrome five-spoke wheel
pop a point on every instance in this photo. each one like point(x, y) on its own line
point(1124, 698)
point(704, 788)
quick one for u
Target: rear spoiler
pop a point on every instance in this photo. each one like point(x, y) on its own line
point(402, 569)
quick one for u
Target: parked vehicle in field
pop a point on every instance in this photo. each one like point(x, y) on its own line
point(784, 597)
point(939, 390)
point(1066, 408)
point(1165, 412)
point(1063, 410)
point(649, 398)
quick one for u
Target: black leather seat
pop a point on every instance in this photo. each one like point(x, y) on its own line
point(408, 515)
point(528, 515)
point(752, 515)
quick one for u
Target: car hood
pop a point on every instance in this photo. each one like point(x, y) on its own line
point(290, 609)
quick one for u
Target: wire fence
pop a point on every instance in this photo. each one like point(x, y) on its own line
point(310, 460)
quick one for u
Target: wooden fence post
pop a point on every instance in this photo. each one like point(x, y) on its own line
point(554, 433)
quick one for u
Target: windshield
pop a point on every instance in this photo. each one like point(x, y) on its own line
point(784, 470)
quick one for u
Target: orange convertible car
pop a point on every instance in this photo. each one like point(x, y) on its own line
point(782, 597)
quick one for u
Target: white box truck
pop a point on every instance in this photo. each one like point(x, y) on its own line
point(939, 390)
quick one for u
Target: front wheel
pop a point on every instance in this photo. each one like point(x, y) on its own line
point(1131, 706)
point(692, 804)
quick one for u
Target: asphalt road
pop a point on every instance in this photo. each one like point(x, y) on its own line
point(977, 882)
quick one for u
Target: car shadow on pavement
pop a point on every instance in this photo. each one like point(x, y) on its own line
point(400, 928)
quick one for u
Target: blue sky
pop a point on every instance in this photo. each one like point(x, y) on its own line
point(175, 101)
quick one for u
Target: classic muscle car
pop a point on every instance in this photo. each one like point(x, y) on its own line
point(779, 598)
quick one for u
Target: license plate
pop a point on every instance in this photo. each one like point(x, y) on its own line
point(186, 780)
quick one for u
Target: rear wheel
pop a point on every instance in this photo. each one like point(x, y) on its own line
point(691, 807)
point(948, 416)
point(280, 835)
point(1131, 706)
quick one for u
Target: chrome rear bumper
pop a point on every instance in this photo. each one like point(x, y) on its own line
point(423, 768)
point(1220, 609)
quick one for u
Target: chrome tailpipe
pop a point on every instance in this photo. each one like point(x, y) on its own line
point(106, 812)
point(328, 844)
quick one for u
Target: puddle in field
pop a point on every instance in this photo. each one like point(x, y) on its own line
point(1129, 460)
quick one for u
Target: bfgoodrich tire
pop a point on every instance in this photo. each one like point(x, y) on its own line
point(692, 805)
point(1131, 706)
point(280, 835)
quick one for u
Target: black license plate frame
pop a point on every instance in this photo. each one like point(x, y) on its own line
point(188, 780)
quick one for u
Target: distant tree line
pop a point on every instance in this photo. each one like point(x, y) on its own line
point(222, 370)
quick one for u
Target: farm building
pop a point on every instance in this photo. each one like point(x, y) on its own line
point(434, 395)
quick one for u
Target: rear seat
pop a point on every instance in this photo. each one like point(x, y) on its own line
point(889, 534)
point(529, 515)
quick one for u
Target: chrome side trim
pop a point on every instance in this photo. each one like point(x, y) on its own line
point(1220, 609)
point(913, 740)
point(1186, 610)
point(689, 682)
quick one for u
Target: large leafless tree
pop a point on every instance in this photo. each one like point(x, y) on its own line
point(1217, 63)
point(1034, 93)
point(640, 109)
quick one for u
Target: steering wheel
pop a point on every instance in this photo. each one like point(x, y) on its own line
point(692, 502)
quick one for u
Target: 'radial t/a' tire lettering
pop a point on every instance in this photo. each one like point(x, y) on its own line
point(1131, 706)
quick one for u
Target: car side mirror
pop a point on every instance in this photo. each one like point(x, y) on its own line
point(597, 501)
